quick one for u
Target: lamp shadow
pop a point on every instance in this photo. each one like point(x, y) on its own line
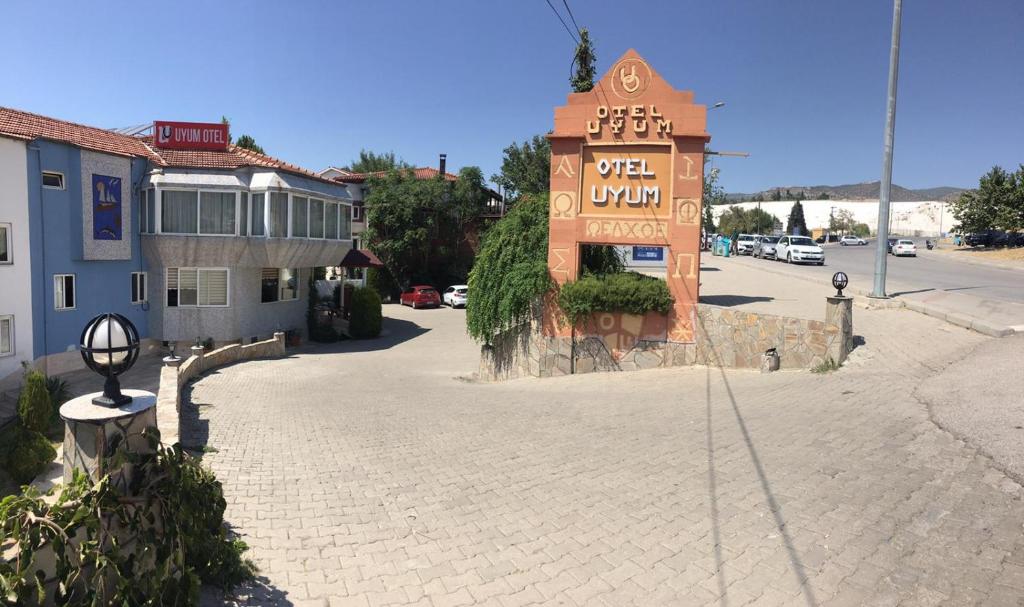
point(797, 566)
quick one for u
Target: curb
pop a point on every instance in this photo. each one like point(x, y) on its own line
point(977, 262)
point(954, 318)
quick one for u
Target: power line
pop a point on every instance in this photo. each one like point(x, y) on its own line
point(569, 10)
point(559, 15)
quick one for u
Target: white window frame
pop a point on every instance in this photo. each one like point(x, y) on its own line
point(10, 244)
point(9, 318)
point(199, 273)
point(59, 305)
point(199, 208)
point(160, 212)
point(143, 289)
point(357, 213)
point(63, 182)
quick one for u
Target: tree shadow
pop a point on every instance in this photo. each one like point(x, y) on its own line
point(729, 301)
point(194, 431)
point(258, 591)
point(394, 331)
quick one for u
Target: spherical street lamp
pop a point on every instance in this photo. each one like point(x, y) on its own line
point(839, 281)
point(110, 346)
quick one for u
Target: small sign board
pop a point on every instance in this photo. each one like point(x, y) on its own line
point(648, 254)
point(211, 136)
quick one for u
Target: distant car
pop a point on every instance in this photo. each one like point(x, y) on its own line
point(799, 249)
point(904, 248)
point(420, 296)
point(987, 238)
point(455, 296)
point(891, 242)
point(764, 247)
point(827, 238)
point(745, 244)
point(850, 240)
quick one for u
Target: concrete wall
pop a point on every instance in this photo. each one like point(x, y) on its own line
point(57, 241)
point(725, 338)
point(15, 297)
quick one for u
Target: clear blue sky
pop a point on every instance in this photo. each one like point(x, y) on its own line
point(313, 82)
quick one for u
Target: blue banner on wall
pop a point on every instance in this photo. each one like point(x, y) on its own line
point(648, 254)
point(106, 207)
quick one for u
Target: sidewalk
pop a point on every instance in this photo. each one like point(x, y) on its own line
point(986, 316)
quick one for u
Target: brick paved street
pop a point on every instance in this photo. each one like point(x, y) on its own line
point(373, 473)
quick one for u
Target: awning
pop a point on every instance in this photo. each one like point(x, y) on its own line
point(361, 258)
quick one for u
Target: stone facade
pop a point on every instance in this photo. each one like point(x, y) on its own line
point(724, 338)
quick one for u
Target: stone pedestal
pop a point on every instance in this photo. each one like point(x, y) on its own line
point(839, 314)
point(92, 432)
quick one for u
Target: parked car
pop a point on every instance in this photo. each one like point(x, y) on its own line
point(455, 296)
point(764, 247)
point(420, 296)
point(851, 240)
point(904, 248)
point(987, 238)
point(745, 244)
point(799, 249)
point(891, 242)
point(827, 238)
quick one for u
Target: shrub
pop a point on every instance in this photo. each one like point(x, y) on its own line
point(381, 281)
point(511, 269)
point(365, 319)
point(34, 406)
point(28, 453)
point(59, 394)
point(174, 512)
point(627, 292)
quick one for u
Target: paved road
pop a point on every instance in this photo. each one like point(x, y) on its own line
point(929, 270)
point(372, 473)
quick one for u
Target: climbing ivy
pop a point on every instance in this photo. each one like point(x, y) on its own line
point(511, 269)
point(154, 542)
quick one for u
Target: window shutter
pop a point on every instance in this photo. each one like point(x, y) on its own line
point(213, 287)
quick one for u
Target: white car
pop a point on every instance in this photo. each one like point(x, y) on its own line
point(455, 296)
point(745, 244)
point(799, 249)
point(849, 240)
point(904, 248)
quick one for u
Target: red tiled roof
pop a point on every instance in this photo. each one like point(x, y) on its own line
point(420, 173)
point(234, 158)
point(27, 126)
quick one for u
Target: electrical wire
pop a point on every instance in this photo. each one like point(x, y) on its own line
point(564, 24)
point(569, 10)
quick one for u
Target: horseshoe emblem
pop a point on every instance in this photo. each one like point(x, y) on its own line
point(630, 82)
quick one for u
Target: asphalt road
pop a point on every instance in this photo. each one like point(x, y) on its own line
point(929, 271)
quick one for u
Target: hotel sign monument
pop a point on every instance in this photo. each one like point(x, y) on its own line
point(627, 162)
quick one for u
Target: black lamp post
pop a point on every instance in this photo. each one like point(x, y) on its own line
point(110, 346)
point(839, 281)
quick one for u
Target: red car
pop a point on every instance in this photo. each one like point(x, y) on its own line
point(421, 296)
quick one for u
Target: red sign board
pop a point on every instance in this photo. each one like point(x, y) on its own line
point(190, 135)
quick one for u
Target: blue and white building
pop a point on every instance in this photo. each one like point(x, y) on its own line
point(187, 244)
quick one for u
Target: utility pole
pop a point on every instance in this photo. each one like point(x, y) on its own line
point(881, 251)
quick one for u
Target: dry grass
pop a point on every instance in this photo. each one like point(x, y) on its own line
point(998, 256)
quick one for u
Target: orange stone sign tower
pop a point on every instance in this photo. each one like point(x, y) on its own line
point(627, 166)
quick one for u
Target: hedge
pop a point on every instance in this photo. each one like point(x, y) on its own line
point(627, 292)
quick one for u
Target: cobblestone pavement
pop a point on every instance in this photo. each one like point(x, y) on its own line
point(370, 473)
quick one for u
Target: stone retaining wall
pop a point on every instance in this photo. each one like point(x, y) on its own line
point(173, 378)
point(725, 338)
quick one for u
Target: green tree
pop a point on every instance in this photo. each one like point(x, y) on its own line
point(365, 320)
point(417, 226)
point(525, 169)
point(796, 223)
point(737, 220)
point(584, 59)
point(511, 269)
point(777, 195)
point(247, 142)
point(224, 120)
point(998, 203)
point(371, 162)
point(713, 194)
